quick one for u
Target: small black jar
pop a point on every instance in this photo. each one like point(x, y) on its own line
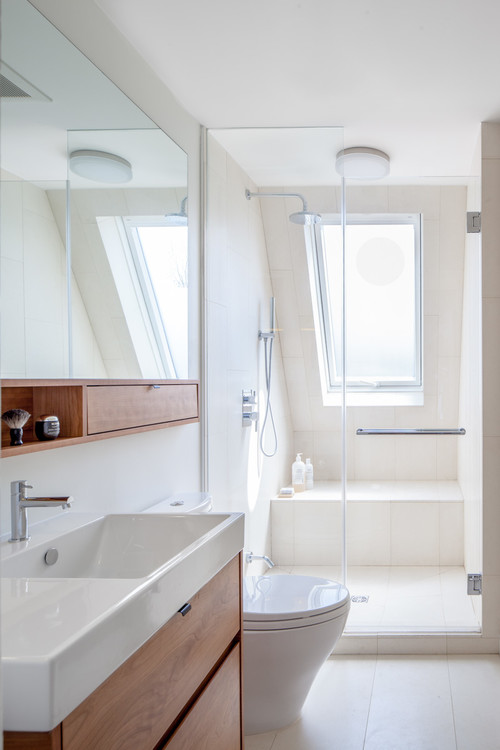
point(47, 427)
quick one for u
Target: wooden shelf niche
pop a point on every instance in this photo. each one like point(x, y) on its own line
point(97, 409)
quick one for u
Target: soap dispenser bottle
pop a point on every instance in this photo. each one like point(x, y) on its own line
point(299, 474)
point(309, 474)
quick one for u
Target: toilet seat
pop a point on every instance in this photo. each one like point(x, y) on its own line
point(278, 602)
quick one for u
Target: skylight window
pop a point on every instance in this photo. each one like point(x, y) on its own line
point(160, 256)
point(383, 336)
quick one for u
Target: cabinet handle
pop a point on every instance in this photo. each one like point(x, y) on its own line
point(185, 609)
point(154, 387)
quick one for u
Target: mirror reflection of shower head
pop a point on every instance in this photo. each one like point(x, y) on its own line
point(178, 219)
point(304, 217)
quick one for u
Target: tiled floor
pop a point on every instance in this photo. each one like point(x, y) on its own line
point(418, 599)
point(397, 703)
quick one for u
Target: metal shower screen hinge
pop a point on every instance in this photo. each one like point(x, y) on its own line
point(474, 584)
point(473, 222)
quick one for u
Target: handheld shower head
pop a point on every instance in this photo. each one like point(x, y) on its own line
point(304, 217)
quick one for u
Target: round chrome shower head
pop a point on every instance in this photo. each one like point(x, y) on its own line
point(178, 219)
point(305, 218)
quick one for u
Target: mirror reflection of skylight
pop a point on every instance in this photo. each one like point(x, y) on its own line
point(165, 253)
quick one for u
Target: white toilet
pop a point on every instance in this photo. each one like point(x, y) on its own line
point(291, 625)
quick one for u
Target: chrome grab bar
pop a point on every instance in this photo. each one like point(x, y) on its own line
point(409, 431)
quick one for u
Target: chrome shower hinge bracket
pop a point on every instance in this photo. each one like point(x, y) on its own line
point(249, 411)
point(474, 584)
point(473, 222)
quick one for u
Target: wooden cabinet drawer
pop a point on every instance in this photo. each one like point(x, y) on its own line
point(137, 704)
point(122, 407)
point(213, 723)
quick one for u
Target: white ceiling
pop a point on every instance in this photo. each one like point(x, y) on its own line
point(412, 78)
point(82, 110)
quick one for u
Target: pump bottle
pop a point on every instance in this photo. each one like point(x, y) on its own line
point(299, 474)
point(309, 474)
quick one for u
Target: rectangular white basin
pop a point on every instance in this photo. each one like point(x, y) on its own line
point(115, 546)
point(118, 579)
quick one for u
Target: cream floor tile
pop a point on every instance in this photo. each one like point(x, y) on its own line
point(397, 703)
point(408, 580)
point(364, 616)
point(458, 610)
point(260, 741)
point(336, 710)
point(413, 612)
point(475, 692)
point(411, 706)
point(373, 575)
point(412, 598)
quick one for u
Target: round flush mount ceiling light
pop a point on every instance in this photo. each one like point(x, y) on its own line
point(100, 166)
point(362, 163)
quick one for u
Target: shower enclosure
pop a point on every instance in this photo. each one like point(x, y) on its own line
point(377, 377)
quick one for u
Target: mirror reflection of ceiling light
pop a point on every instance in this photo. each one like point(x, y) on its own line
point(100, 166)
point(362, 163)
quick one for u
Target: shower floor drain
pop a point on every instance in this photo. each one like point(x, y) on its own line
point(360, 599)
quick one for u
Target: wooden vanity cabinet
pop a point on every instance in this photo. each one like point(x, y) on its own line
point(181, 690)
point(96, 409)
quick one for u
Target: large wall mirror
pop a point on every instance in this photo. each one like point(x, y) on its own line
point(94, 250)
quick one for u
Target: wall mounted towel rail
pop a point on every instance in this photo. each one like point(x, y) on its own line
point(409, 431)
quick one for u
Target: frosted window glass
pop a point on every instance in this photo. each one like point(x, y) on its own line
point(382, 304)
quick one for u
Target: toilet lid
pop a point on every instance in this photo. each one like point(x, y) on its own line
point(289, 597)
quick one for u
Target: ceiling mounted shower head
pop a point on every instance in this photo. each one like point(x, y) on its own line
point(303, 217)
point(178, 219)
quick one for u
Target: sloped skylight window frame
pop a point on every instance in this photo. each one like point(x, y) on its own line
point(326, 294)
point(132, 226)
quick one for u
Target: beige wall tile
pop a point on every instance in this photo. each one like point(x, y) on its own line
point(451, 534)
point(368, 533)
point(414, 533)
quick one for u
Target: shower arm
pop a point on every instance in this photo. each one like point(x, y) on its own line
point(249, 195)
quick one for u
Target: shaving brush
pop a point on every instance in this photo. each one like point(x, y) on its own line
point(15, 419)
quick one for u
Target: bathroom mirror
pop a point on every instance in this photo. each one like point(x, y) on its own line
point(83, 253)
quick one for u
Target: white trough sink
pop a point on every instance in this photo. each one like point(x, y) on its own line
point(117, 580)
point(117, 546)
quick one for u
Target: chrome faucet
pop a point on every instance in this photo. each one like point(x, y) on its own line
point(250, 557)
point(19, 505)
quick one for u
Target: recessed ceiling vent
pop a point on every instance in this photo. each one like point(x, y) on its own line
point(14, 86)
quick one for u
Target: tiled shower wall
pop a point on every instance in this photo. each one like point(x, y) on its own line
point(317, 427)
point(239, 289)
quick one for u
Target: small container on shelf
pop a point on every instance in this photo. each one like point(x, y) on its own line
point(47, 427)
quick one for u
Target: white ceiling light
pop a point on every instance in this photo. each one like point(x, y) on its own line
point(100, 166)
point(362, 163)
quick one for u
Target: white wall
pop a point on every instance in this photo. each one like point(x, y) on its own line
point(239, 289)
point(34, 325)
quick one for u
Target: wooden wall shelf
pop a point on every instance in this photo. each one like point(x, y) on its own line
point(97, 409)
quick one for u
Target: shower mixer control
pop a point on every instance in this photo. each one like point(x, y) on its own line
point(249, 410)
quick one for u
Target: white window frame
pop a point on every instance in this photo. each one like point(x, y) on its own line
point(325, 334)
point(130, 224)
